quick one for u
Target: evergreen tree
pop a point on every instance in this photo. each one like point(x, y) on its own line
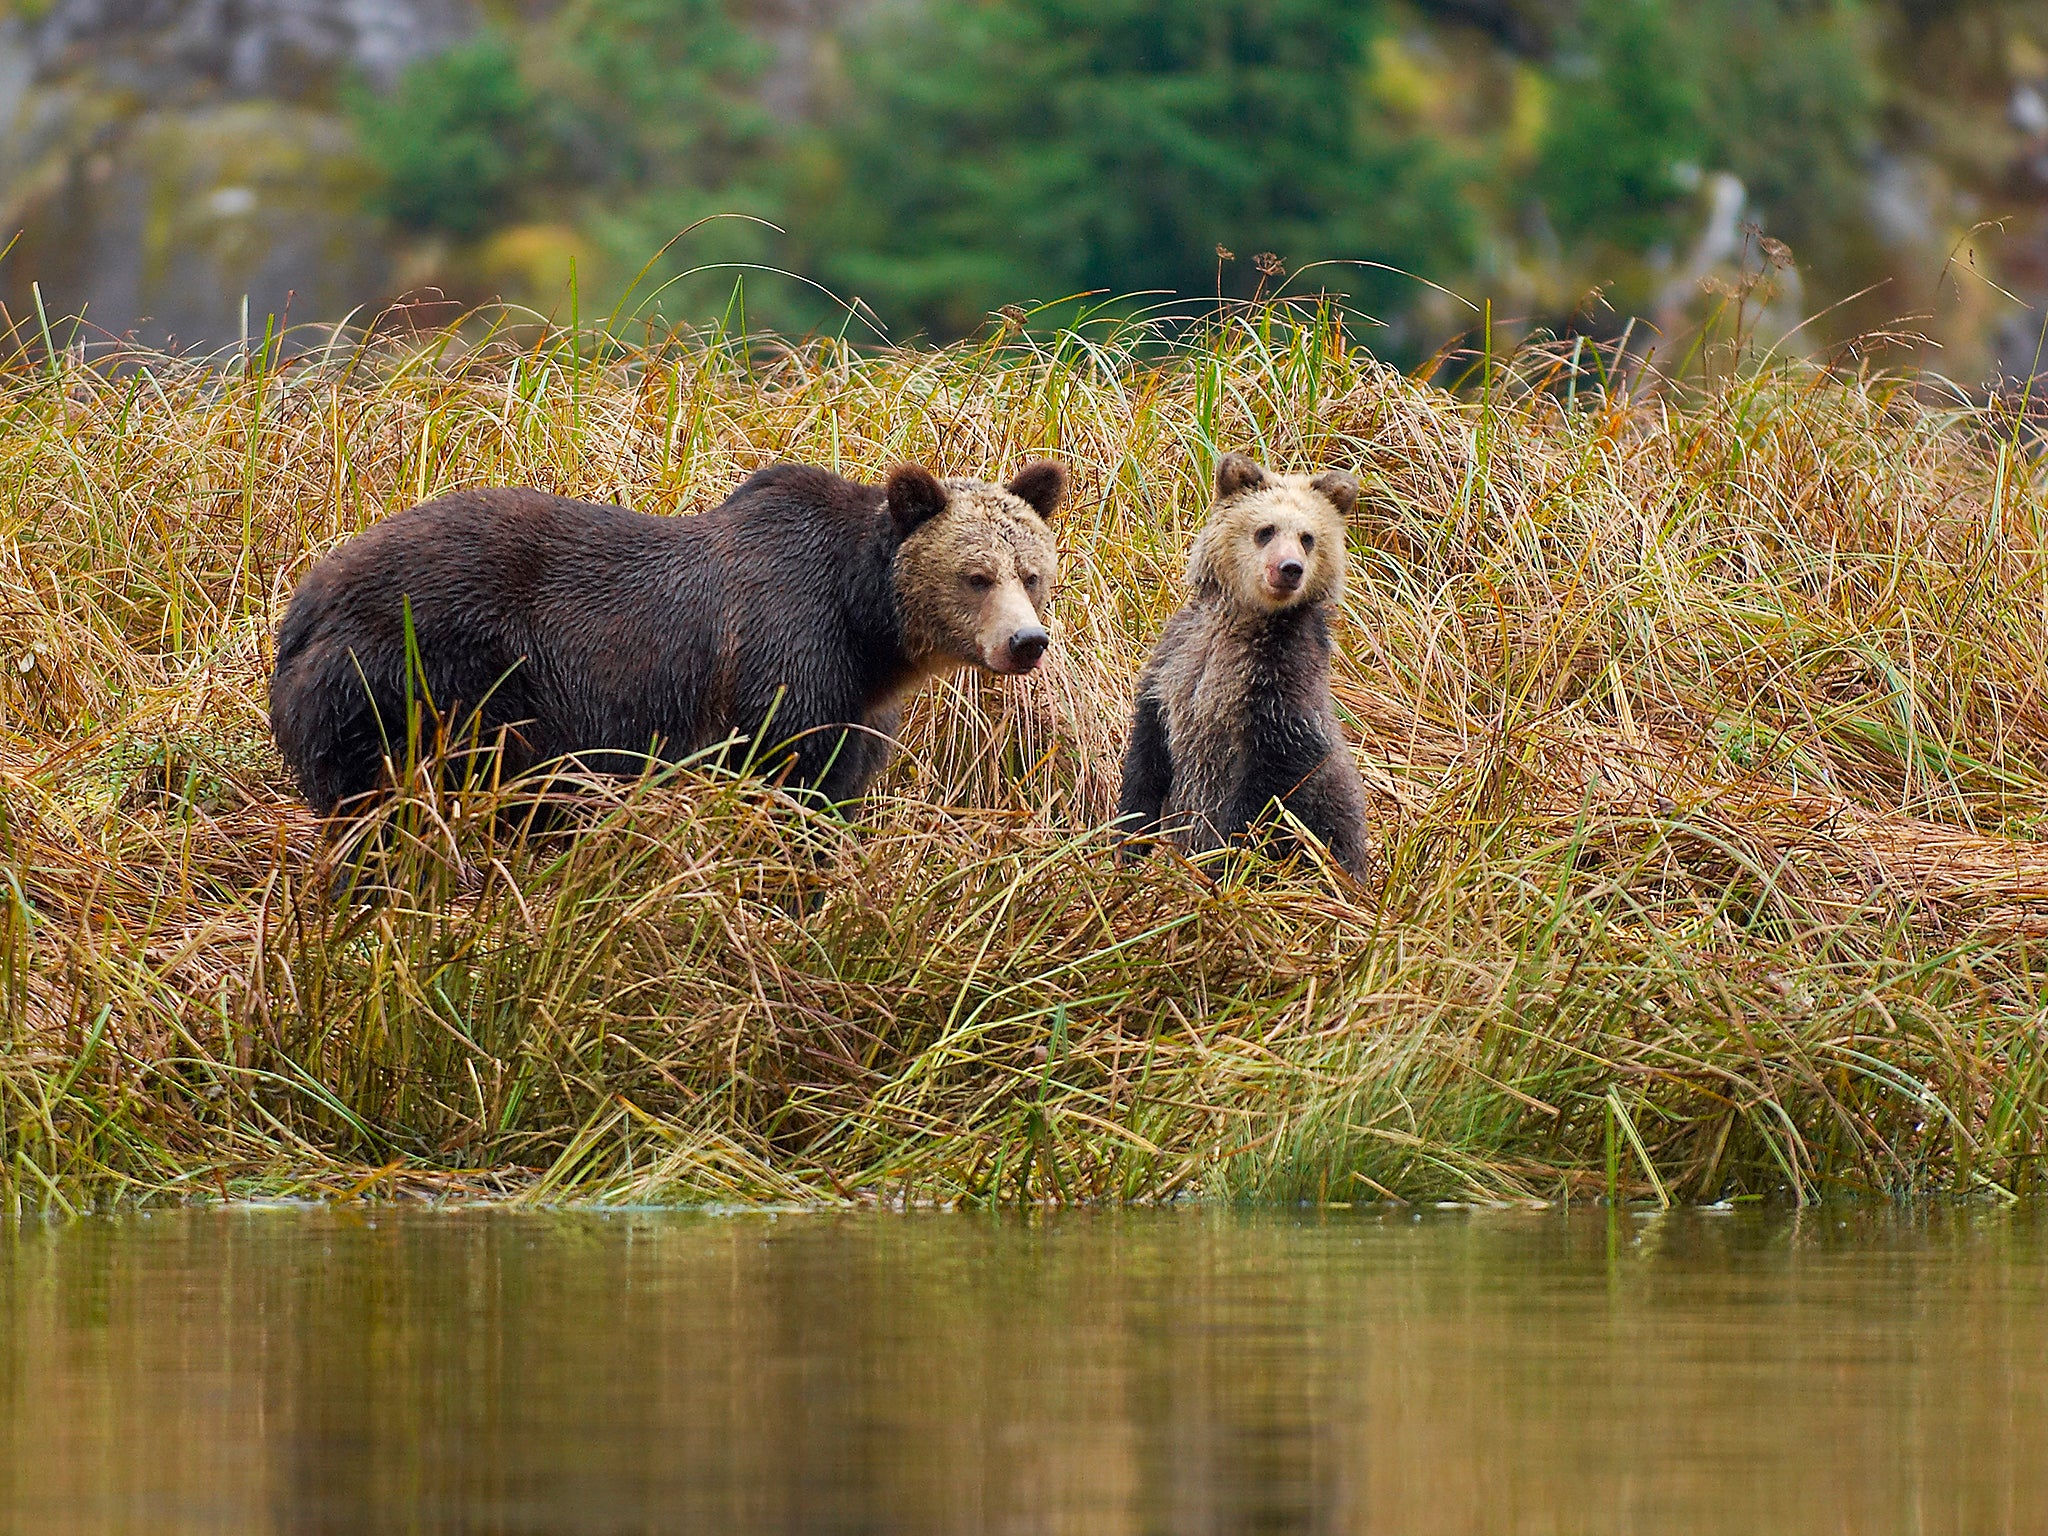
point(456, 141)
point(1781, 92)
point(661, 129)
point(1629, 116)
point(980, 153)
point(639, 115)
point(999, 151)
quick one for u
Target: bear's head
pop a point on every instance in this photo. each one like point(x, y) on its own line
point(1273, 541)
point(976, 566)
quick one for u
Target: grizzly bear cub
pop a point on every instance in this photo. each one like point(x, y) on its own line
point(785, 626)
point(1234, 711)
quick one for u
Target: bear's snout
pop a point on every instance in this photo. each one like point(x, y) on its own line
point(1023, 649)
point(1285, 576)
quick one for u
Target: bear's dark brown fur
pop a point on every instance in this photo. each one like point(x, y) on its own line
point(793, 619)
point(1234, 711)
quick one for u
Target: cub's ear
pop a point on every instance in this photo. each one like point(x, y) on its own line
point(1040, 485)
point(1237, 473)
point(915, 497)
point(1339, 489)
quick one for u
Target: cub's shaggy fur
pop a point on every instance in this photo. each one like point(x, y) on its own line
point(794, 618)
point(1234, 710)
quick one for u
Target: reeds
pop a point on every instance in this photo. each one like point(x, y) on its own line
point(1706, 731)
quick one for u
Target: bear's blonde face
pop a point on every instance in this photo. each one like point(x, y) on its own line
point(1273, 541)
point(974, 576)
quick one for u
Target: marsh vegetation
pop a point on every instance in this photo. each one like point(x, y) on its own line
point(1703, 728)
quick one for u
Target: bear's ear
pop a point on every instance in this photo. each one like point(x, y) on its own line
point(1339, 489)
point(1040, 485)
point(915, 497)
point(1237, 473)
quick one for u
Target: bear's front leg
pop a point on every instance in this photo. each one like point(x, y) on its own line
point(1332, 805)
point(863, 751)
point(1148, 775)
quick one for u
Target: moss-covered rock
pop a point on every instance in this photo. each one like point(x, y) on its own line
point(164, 160)
point(180, 217)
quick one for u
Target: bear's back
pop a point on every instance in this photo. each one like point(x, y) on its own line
point(589, 628)
point(494, 553)
point(487, 559)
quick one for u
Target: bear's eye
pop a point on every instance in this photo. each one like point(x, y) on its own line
point(979, 582)
point(1308, 542)
point(1264, 536)
point(1031, 582)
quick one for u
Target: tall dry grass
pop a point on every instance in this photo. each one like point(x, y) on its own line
point(1705, 728)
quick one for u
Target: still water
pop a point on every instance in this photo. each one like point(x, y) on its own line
point(266, 1370)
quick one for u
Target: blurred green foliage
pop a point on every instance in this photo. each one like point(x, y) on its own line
point(455, 141)
point(972, 153)
point(993, 153)
point(1790, 100)
point(1629, 116)
point(658, 124)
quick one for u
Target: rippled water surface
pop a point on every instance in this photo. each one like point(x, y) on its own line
point(1197, 1371)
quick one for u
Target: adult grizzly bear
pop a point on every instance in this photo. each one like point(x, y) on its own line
point(793, 619)
point(1234, 711)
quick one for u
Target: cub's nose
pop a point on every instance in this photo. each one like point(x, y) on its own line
point(1287, 575)
point(1026, 646)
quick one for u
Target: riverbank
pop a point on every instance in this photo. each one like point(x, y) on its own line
point(1705, 732)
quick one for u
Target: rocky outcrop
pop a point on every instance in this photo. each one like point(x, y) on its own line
point(170, 165)
point(293, 49)
point(193, 228)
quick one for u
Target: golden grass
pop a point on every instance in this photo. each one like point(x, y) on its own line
point(1706, 732)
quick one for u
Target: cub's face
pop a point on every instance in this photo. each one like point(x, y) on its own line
point(1274, 541)
point(977, 566)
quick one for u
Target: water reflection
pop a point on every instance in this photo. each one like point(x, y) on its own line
point(296, 1371)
